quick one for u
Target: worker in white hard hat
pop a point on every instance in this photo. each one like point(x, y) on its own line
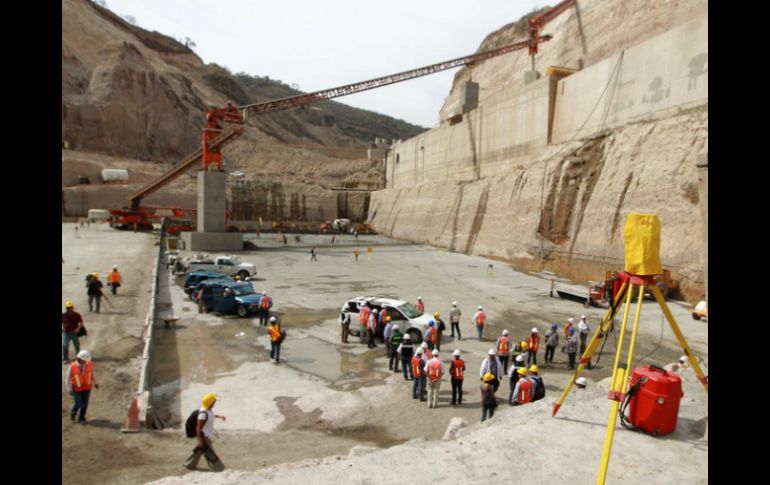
point(371, 329)
point(513, 374)
point(345, 324)
point(492, 365)
point(276, 339)
point(570, 323)
point(581, 382)
point(404, 351)
point(204, 430)
point(454, 320)
point(71, 328)
point(419, 305)
point(434, 371)
point(677, 366)
point(533, 343)
point(479, 320)
point(114, 280)
point(457, 374)
point(504, 350)
point(418, 363)
point(80, 380)
point(265, 304)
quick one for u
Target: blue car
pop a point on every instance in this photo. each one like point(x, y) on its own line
point(192, 280)
point(222, 296)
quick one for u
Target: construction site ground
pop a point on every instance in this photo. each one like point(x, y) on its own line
point(318, 414)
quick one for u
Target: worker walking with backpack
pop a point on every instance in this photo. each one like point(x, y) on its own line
point(203, 432)
point(488, 399)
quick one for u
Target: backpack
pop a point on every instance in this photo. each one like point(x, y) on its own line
point(489, 398)
point(539, 390)
point(282, 337)
point(191, 425)
point(441, 325)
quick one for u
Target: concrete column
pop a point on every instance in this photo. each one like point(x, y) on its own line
point(212, 201)
point(702, 166)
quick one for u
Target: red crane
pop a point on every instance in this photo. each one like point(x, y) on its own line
point(538, 22)
point(224, 125)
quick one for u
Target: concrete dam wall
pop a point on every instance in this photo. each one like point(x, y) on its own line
point(545, 176)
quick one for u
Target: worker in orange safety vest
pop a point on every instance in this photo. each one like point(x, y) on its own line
point(363, 320)
point(418, 387)
point(114, 280)
point(479, 319)
point(457, 371)
point(434, 371)
point(504, 350)
point(80, 379)
point(522, 393)
point(533, 343)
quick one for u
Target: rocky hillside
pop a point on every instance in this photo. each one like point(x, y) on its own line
point(142, 95)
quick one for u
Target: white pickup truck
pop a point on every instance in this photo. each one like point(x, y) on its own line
point(229, 265)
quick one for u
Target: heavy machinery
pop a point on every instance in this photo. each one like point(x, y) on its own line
point(225, 124)
point(537, 22)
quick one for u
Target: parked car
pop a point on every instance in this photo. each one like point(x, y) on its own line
point(408, 318)
point(191, 280)
point(229, 265)
point(223, 296)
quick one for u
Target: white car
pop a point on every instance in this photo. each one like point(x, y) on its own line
point(229, 265)
point(408, 318)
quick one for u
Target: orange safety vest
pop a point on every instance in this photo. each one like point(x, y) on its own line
point(532, 342)
point(457, 369)
point(275, 332)
point(264, 302)
point(363, 315)
point(525, 391)
point(430, 335)
point(113, 276)
point(434, 370)
point(566, 329)
point(482, 318)
point(82, 382)
point(416, 367)
point(502, 346)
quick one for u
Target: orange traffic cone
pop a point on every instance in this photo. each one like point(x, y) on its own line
point(131, 424)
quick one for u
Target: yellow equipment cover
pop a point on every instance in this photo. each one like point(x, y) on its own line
point(641, 236)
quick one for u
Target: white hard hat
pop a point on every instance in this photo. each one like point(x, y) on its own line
point(582, 317)
point(419, 298)
point(454, 303)
point(273, 319)
point(492, 352)
point(84, 355)
point(520, 358)
point(375, 310)
point(581, 381)
point(505, 332)
point(534, 329)
point(264, 292)
point(683, 359)
point(419, 350)
point(407, 336)
point(115, 267)
point(571, 320)
point(395, 326)
point(424, 345)
point(435, 353)
point(456, 352)
point(480, 307)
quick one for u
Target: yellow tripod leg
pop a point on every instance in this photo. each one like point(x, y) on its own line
point(680, 338)
point(592, 345)
point(617, 392)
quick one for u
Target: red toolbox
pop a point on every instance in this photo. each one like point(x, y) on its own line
point(655, 406)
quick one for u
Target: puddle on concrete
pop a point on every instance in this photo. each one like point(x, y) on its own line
point(295, 418)
point(345, 371)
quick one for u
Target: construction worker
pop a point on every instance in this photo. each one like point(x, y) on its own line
point(440, 327)
point(363, 320)
point(569, 325)
point(204, 430)
point(519, 349)
point(581, 382)
point(430, 335)
point(522, 393)
point(372, 329)
point(503, 350)
point(71, 325)
point(492, 365)
point(94, 292)
point(275, 339)
point(420, 306)
point(551, 342)
point(356, 251)
point(265, 304)
point(382, 321)
point(387, 333)
point(533, 342)
point(80, 379)
point(538, 388)
point(418, 387)
point(677, 366)
point(434, 371)
point(312, 254)
point(393, 343)
point(513, 375)
point(345, 324)
point(114, 280)
point(571, 347)
point(405, 351)
point(454, 320)
point(583, 330)
point(457, 373)
point(488, 398)
point(479, 319)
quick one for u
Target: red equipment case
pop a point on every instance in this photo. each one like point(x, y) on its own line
point(655, 407)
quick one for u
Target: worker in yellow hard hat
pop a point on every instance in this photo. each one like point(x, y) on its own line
point(538, 388)
point(94, 291)
point(488, 399)
point(71, 327)
point(440, 327)
point(203, 431)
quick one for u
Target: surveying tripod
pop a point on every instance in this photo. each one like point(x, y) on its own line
point(620, 371)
